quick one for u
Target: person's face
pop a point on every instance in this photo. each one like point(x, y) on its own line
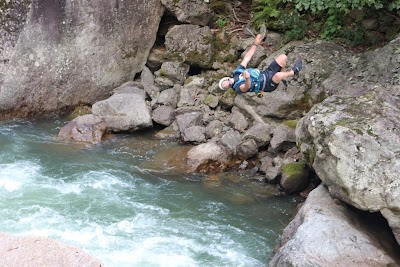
point(226, 84)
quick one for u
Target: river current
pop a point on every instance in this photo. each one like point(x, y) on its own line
point(116, 201)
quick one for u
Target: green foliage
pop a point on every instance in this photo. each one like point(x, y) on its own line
point(345, 6)
point(221, 22)
point(266, 11)
point(295, 26)
point(332, 26)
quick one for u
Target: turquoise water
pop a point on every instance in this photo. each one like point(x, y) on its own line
point(116, 201)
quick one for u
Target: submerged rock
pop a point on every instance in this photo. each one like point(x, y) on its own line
point(86, 128)
point(208, 157)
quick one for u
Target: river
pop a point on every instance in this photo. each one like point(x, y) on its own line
point(118, 202)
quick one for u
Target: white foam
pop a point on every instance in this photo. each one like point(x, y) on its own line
point(13, 176)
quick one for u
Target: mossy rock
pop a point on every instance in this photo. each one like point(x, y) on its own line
point(79, 111)
point(228, 99)
point(291, 123)
point(294, 176)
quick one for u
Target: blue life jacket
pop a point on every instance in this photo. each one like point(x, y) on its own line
point(255, 75)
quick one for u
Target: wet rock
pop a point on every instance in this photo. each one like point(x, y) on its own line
point(266, 162)
point(208, 157)
point(86, 128)
point(273, 174)
point(169, 133)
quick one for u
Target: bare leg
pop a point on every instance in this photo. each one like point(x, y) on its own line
point(279, 76)
point(282, 61)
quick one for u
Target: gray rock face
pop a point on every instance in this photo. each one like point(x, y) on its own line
point(353, 144)
point(169, 97)
point(174, 71)
point(247, 149)
point(163, 115)
point(283, 138)
point(190, 43)
point(238, 121)
point(260, 132)
point(324, 233)
point(124, 112)
point(214, 129)
point(70, 53)
point(194, 134)
point(362, 72)
point(231, 139)
point(189, 119)
point(190, 11)
point(40, 251)
point(147, 80)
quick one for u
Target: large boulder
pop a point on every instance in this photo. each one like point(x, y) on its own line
point(325, 233)
point(195, 12)
point(124, 112)
point(73, 52)
point(41, 251)
point(191, 44)
point(353, 143)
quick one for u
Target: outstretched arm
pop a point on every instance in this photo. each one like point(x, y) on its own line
point(249, 54)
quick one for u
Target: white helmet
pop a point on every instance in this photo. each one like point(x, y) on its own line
point(221, 81)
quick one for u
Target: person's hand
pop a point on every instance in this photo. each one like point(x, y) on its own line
point(246, 74)
point(258, 39)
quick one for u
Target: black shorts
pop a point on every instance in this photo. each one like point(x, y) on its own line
point(268, 85)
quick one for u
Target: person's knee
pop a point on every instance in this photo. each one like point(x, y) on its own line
point(278, 77)
point(281, 60)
